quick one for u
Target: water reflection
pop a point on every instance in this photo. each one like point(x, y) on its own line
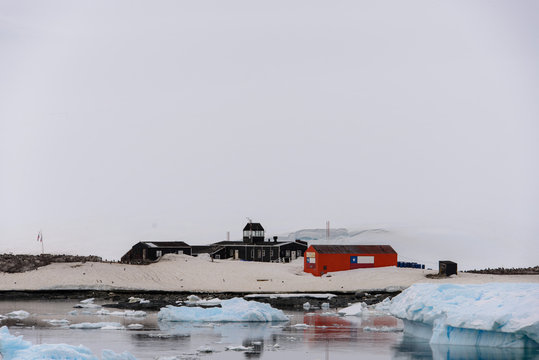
point(321, 335)
point(417, 348)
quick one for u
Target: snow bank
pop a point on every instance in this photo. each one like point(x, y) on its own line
point(235, 309)
point(15, 348)
point(192, 274)
point(495, 314)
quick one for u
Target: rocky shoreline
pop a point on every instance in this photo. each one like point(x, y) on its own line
point(158, 299)
point(10, 263)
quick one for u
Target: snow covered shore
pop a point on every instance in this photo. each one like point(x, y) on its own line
point(191, 274)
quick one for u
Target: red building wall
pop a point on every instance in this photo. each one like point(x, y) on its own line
point(325, 263)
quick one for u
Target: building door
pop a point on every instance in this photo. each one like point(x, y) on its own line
point(236, 254)
point(293, 254)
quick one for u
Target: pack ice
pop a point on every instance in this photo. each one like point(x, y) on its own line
point(15, 348)
point(235, 309)
point(495, 314)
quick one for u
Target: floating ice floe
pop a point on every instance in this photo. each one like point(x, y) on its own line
point(98, 325)
point(135, 326)
point(18, 314)
point(232, 310)
point(382, 329)
point(301, 326)
point(205, 349)
point(353, 310)
point(193, 300)
point(500, 315)
point(15, 348)
point(55, 322)
point(87, 304)
point(239, 348)
point(128, 313)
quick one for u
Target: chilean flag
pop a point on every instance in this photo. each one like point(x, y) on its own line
point(357, 262)
point(40, 237)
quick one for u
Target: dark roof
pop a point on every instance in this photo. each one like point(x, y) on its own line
point(354, 249)
point(242, 243)
point(165, 244)
point(209, 249)
point(253, 226)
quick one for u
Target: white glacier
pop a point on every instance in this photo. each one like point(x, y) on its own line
point(15, 348)
point(495, 314)
point(235, 309)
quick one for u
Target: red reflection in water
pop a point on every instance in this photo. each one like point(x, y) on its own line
point(340, 328)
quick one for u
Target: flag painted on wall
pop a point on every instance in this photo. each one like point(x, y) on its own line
point(357, 262)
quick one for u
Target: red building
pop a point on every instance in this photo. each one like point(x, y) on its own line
point(321, 259)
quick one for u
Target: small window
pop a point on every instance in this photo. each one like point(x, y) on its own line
point(287, 253)
point(158, 253)
point(271, 252)
point(263, 253)
point(259, 254)
point(179, 252)
point(217, 257)
point(231, 252)
point(299, 252)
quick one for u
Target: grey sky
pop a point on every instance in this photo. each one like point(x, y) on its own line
point(123, 121)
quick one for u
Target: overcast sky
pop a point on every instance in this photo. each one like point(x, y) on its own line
point(123, 121)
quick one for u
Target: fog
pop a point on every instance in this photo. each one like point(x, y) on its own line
point(166, 120)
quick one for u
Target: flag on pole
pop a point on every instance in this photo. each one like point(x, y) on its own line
point(40, 237)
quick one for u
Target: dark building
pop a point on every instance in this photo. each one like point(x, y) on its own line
point(146, 251)
point(447, 268)
point(254, 247)
point(265, 251)
point(253, 233)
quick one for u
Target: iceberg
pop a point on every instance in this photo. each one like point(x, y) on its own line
point(495, 314)
point(15, 348)
point(232, 310)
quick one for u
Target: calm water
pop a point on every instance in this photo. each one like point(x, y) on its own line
point(326, 337)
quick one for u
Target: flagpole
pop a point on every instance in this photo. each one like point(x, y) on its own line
point(40, 238)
